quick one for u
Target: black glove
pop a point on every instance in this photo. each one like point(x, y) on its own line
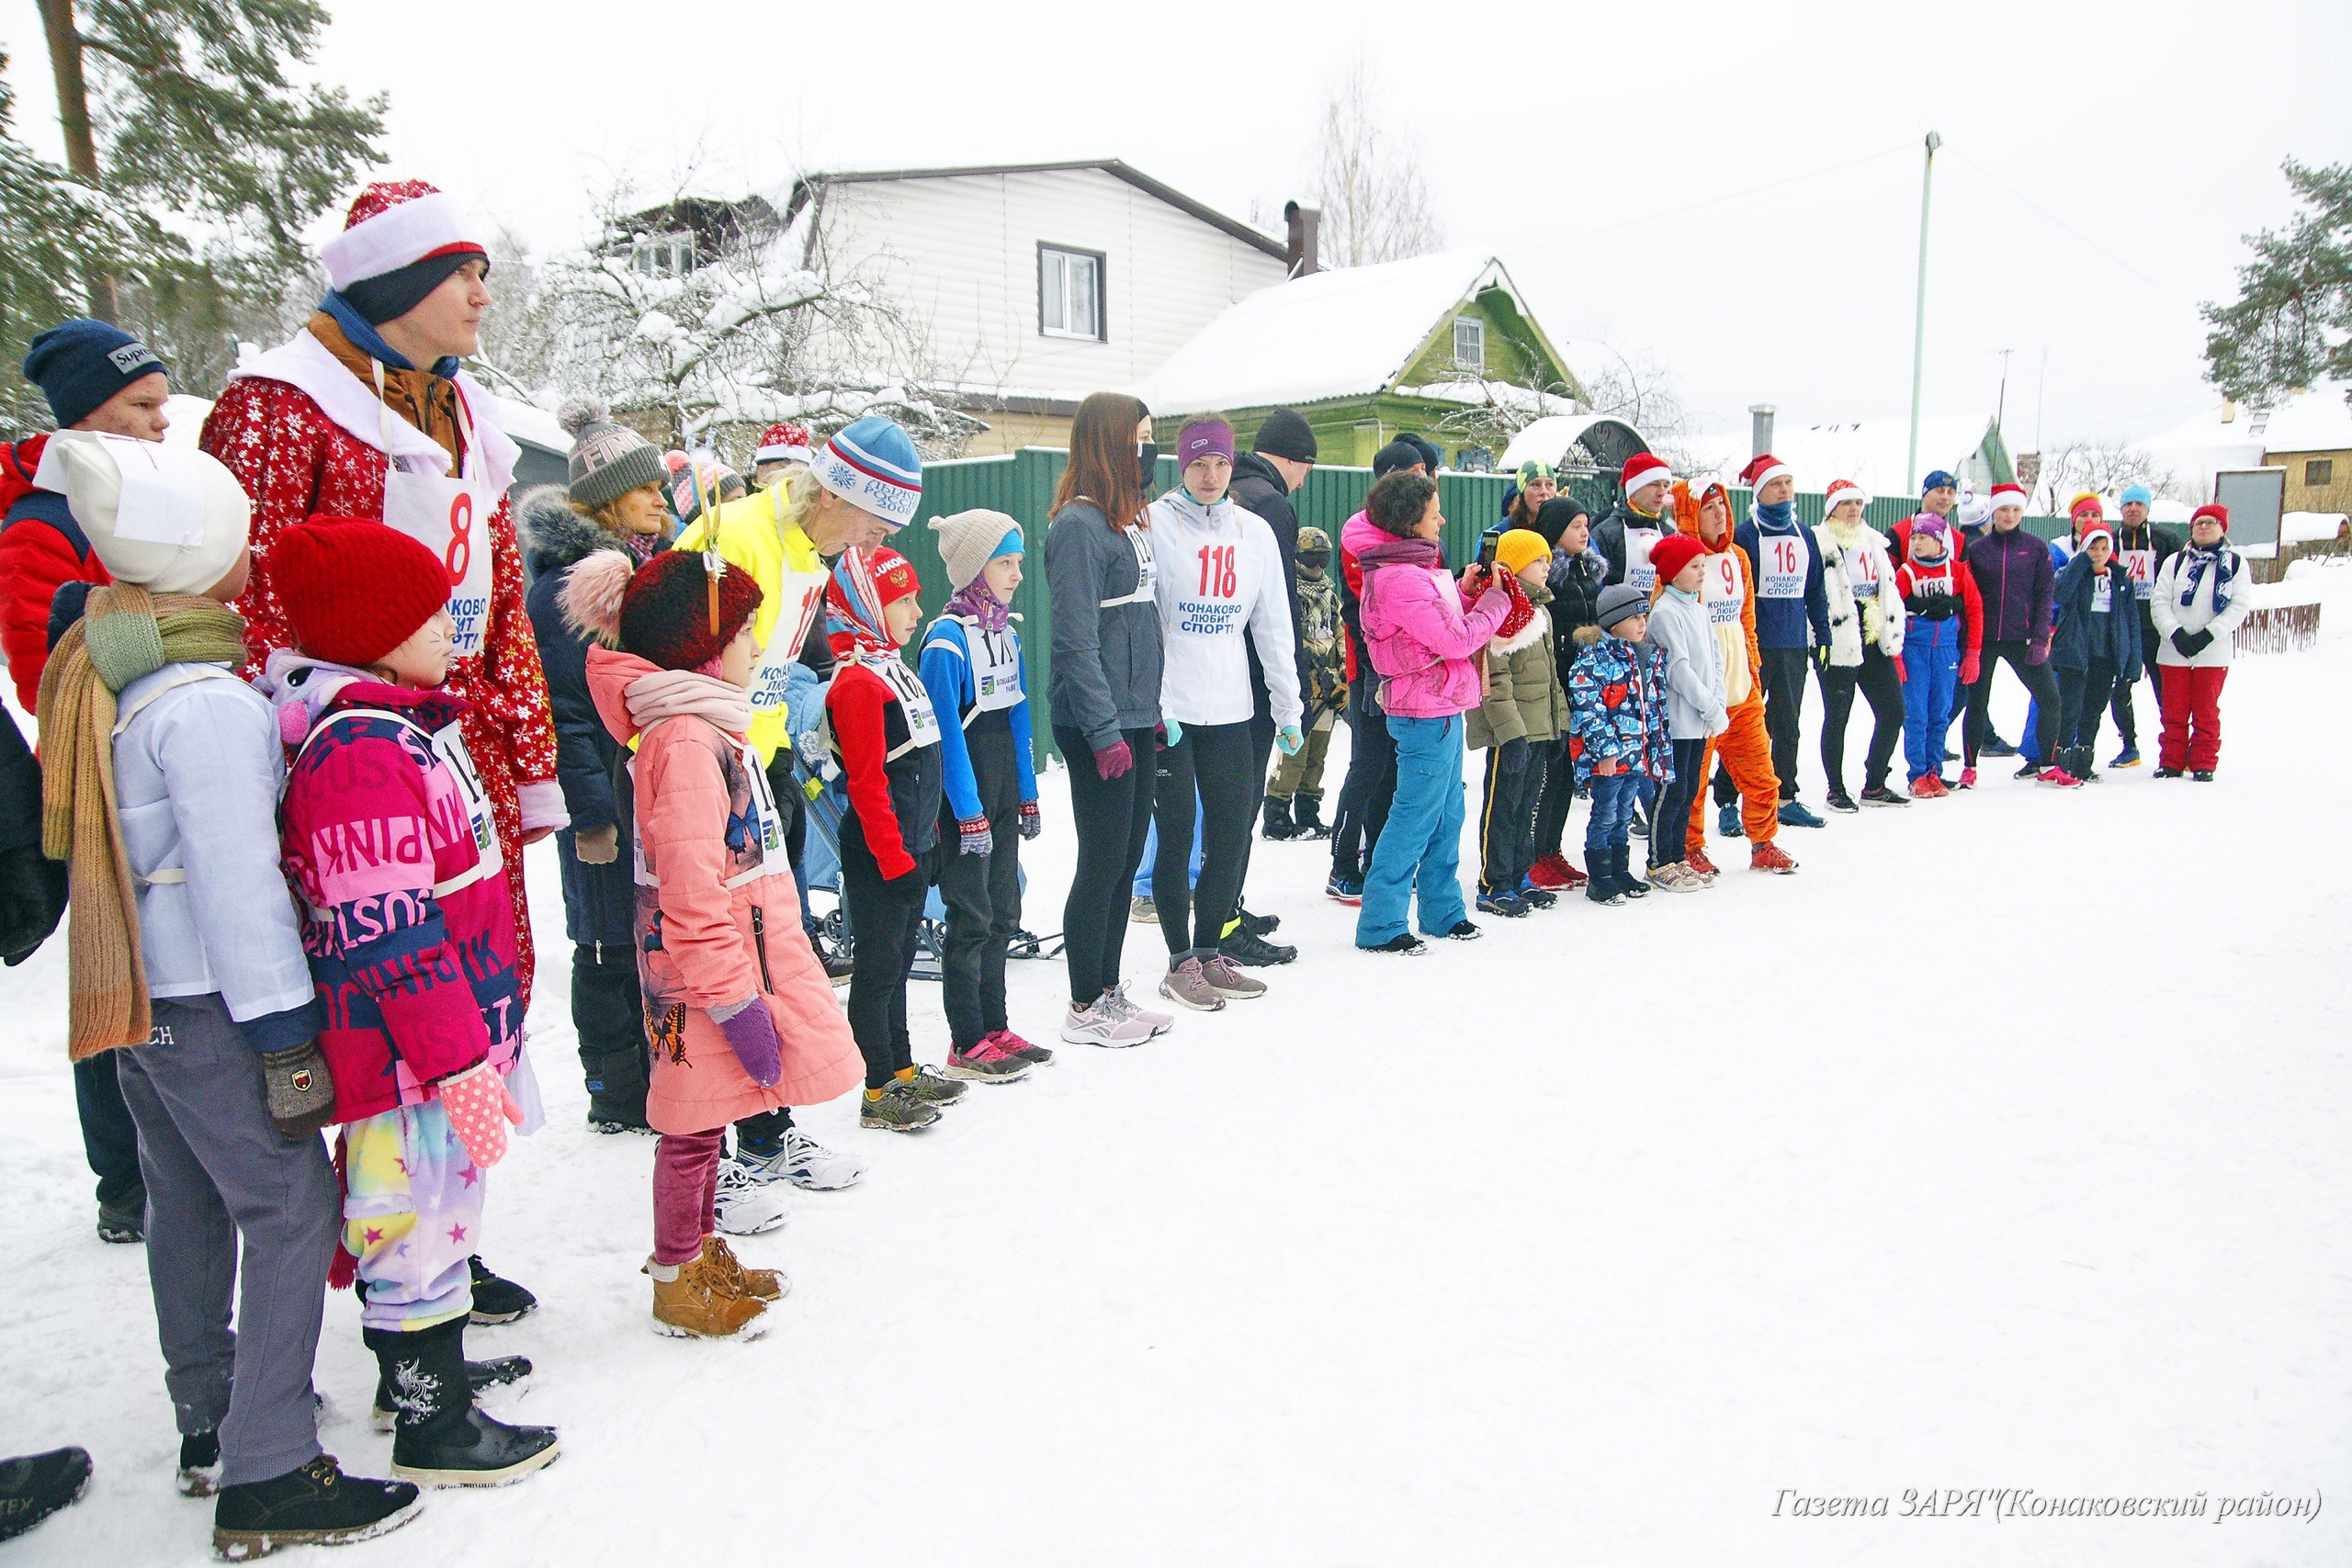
point(32, 898)
point(2190, 643)
point(301, 1090)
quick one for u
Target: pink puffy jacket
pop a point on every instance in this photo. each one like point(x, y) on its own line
point(701, 943)
point(1423, 639)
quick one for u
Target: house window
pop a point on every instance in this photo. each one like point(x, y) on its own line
point(1470, 344)
point(1069, 293)
point(2319, 472)
point(662, 255)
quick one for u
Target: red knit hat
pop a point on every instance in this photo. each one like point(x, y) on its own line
point(665, 610)
point(354, 590)
point(2214, 510)
point(1643, 469)
point(1674, 552)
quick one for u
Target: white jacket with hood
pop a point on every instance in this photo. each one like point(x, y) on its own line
point(1218, 574)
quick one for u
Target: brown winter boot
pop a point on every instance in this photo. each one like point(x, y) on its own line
point(698, 1303)
point(760, 1285)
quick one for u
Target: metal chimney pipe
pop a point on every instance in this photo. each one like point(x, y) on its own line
point(1305, 225)
point(1760, 427)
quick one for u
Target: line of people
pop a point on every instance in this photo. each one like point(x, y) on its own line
point(300, 719)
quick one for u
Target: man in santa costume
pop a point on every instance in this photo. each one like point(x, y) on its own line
point(365, 413)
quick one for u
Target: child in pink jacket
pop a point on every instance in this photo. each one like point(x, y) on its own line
point(388, 840)
point(739, 1010)
point(1424, 635)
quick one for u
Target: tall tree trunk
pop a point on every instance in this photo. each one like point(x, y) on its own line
point(73, 119)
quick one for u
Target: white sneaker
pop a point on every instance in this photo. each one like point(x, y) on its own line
point(1100, 1025)
point(1125, 1006)
point(806, 1163)
point(747, 1207)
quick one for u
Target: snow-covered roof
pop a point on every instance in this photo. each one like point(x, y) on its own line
point(2233, 435)
point(1869, 451)
point(1547, 440)
point(1332, 334)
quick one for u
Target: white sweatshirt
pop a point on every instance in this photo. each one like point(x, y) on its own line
point(1219, 572)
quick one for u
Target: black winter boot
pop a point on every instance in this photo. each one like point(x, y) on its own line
point(1278, 824)
point(498, 1372)
point(1307, 813)
point(439, 1438)
point(316, 1505)
point(34, 1486)
point(1621, 872)
point(498, 1300)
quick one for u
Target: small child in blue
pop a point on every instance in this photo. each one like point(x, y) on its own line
point(970, 665)
point(1617, 737)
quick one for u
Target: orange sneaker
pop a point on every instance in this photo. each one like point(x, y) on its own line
point(1697, 861)
point(1771, 857)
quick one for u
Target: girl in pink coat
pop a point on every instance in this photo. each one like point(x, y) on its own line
point(739, 1010)
point(1424, 635)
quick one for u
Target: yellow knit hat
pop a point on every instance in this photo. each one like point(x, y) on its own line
point(1521, 548)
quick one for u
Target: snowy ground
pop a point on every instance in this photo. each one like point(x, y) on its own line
point(2002, 1147)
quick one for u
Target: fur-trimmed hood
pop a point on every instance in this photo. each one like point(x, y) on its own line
point(554, 535)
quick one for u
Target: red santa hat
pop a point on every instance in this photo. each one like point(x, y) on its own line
point(1645, 469)
point(1762, 469)
point(1840, 492)
point(2009, 495)
point(394, 224)
point(782, 443)
point(2098, 530)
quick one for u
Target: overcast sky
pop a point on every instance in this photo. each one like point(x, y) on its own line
point(1613, 156)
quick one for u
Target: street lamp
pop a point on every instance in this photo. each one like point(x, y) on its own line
point(1919, 315)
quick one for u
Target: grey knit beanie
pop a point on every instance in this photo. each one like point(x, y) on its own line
point(608, 461)
point(969, 540)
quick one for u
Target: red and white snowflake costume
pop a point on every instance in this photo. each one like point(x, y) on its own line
point(306, 437)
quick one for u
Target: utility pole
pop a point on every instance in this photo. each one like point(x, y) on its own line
point(1919, 316)
point(2002, 407)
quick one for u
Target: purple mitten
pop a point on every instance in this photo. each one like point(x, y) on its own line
point(1113, 760)
point(750, 1034)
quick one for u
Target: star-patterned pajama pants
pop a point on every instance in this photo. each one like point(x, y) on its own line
point(412, 1214)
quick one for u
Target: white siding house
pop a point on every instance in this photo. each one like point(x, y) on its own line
point(1037, 283)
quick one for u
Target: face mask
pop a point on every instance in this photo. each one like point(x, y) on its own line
point(1147, 462)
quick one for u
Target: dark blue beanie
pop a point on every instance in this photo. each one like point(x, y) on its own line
point(80, 364)
point(1939, 479)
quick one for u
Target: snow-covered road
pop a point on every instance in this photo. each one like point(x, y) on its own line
point(2004, 1147)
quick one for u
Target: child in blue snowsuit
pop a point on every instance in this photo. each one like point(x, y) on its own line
point(1941, 647)
point(1617, 737)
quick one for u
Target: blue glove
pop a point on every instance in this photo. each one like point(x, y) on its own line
point(1175, 732)
point(1290, 740)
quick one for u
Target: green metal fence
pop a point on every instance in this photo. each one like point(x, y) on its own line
point(1021, 484)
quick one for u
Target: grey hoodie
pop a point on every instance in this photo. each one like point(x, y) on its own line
point(1104, 675)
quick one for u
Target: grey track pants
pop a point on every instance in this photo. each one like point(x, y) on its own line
point(216, 1172)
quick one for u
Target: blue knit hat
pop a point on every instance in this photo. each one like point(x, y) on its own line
point(1937, 479)
point(80, 364)
point(872, 464)
point(2140, 493)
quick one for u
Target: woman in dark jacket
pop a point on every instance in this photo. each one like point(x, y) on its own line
point(593, 853)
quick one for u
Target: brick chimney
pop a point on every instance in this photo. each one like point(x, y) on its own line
point(1305, 224)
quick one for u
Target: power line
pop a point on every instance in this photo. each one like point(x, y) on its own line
point(2172, 289)
point(1719, 200)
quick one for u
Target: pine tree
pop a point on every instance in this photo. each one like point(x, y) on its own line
point(185, 109)
point(2290, 325)
point(56, 235)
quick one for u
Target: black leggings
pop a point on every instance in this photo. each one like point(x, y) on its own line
point(1371, 784)
point(2082, 694)
point(1214, 764)
point(1672, 814)
point(886, 924)
point(1883, 690)
point(1261, 748)
point(982, 893)
point(1113, 817)
point(1785, 672)
point(2039, 682)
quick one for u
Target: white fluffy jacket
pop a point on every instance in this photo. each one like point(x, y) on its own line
point(1879, 614)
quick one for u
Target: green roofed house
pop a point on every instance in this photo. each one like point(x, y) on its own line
point(1442, 346)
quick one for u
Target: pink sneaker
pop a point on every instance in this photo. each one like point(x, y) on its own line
point(1967, 778)
point(2058, 777)
point(1035, 1055)
point(987, 1062)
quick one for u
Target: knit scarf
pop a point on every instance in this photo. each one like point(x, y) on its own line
point(684, 693)
point(2224, 565)
point(426, 399)
point(1776, 516)
point(1522, 611)
point(124, 633)
point(975, 601)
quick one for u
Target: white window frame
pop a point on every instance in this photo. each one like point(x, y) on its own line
point(662, 255)
point(1475, 360)
point(1054, 271)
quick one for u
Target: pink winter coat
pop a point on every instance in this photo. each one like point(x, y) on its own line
point(406, 919)
point(1423, 639)
point(701, 942)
